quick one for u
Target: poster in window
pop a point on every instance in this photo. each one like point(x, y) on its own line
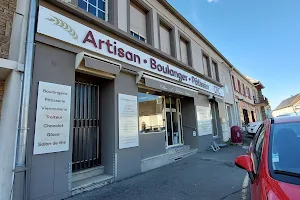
point(204, 120)
point(128, 121)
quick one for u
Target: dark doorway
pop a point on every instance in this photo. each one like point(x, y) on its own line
point(252, 115)
point(86, 131)
point(246, 117)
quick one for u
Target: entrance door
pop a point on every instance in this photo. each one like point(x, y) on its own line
point(86, 130)
point(252, 115)
point(246, 117)
point(215, 118)
point(229, 116)
point(174, 122)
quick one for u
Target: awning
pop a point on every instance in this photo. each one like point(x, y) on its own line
point(98, 66)
point(167, 86)
point(218, 99)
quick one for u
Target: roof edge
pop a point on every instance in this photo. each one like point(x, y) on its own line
point(171, 9)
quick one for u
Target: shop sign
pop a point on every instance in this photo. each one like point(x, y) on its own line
point(204, 120)
point(52, 125)
point(62, 28)
point(162, 85)
point(128, 121)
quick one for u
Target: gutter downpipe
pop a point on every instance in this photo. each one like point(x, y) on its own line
point(20, 164)
point(236, 110)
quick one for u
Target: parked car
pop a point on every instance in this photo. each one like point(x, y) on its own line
point(273, 160)
point(252, 127)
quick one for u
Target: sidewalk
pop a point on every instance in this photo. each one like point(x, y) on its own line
point(207, 175)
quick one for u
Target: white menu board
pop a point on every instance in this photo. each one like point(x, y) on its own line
point(52, 125)
point(204, 120)
point(128, 121)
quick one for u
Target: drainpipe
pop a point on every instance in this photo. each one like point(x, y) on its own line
point(25, 101)
point(236, 110)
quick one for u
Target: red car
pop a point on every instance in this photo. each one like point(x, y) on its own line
point(273, 161)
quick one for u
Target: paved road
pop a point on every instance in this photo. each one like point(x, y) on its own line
point(207, 176)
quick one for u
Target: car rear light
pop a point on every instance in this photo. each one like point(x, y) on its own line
point(272, 196)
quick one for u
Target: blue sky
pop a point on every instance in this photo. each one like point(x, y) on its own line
point(259, 37)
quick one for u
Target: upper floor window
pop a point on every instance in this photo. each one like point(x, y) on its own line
point(233, 82)
point(140, 18)
point(239, 86)
point(138, 36)
point(138, 22)
point(244, 91)
point(183, 50)
point(166, 34)
point(216, 68)
point(165, 39)
point(96, 7)
point(249, 95)
point(206, 65)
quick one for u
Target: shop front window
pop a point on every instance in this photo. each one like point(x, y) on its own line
point(151, 114)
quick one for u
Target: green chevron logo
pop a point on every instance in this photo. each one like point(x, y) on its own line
point(64, 25)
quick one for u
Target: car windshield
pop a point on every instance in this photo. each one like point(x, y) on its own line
point(285, 148)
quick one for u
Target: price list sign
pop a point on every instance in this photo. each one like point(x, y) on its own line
point(52, 125)
point(128, 121)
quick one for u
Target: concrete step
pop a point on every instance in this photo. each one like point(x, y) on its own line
point(92, 183)
point(180, 155)
point(87, 173)
point(164, 159)
point(178, 149)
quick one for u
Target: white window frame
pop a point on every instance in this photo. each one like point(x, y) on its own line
point(140, 36)
point(229, 115)
point(180, 128)
point(97, 8)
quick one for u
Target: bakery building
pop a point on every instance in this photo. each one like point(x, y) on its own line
point(119, 88)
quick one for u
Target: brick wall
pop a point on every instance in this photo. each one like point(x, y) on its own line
point(1, 94)
point(7, 9)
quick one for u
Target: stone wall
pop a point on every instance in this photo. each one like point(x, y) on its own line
point(7, 9)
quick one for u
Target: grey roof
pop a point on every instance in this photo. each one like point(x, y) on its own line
point(287, 102)
point(252, 79)
point(255, 82)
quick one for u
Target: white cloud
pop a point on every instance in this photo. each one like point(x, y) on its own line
point(210, 1)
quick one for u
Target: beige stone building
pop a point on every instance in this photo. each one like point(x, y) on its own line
point(119, 87)
point(263, 108)
point(13, 26)
point(289, 106)
point(244, 93)
point(250, 103)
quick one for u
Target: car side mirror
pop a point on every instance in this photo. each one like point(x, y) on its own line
point(245, 162)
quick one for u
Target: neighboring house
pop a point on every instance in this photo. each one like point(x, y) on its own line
point(263, 108)
point(289, 106)
point(13, 26)
point(244, 98)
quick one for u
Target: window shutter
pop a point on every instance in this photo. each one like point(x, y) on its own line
point(165, 44)
point(233, 82)
point(239, 85)
point(138, 20)
point(183, 51)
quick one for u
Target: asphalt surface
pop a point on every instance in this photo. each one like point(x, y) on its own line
point(208, 176)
